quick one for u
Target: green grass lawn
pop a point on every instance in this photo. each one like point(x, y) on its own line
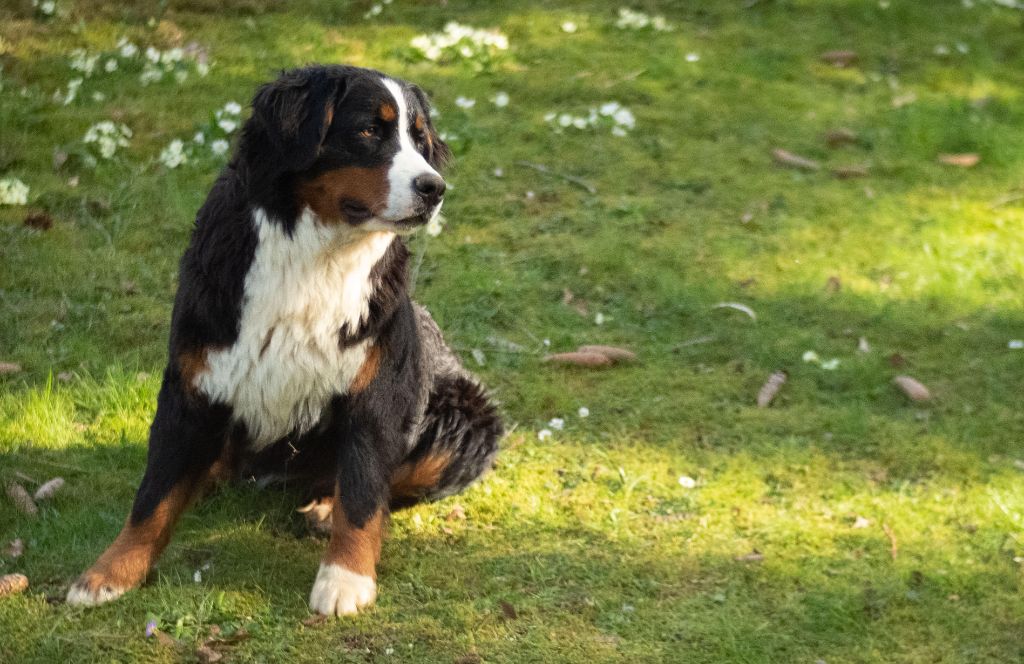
point(585, 546)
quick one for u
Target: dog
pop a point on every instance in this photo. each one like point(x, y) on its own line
point(295, 350)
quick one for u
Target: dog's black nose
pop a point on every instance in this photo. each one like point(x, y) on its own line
point(430, 186)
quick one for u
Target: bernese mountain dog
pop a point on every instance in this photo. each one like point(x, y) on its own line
point(295, 350)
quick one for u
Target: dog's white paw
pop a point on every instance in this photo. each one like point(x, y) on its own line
point(338, 591)
point(90, 592)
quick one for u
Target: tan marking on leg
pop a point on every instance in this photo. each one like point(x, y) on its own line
point(127, 561)
point(355, 549)
point(411, 480)
point(192, 364)
point(367, 372)
point(325, 193)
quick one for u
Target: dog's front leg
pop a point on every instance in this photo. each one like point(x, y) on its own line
point(347, 579)
point(185, 442)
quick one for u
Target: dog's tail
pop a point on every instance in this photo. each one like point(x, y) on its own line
point(457, 444)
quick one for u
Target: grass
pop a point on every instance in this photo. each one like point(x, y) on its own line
point(588, 535)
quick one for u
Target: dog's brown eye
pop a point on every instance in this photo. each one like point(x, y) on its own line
point(370, 132)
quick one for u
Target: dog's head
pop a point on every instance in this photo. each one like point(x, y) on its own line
point(354, 145)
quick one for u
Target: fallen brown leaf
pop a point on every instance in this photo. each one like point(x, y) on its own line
point(579, 359)
point(12, 584)
point(207, 655)
point(611, 352)
point(897, 360)
point(839, 58)
point(315, 621)
point(39, 220)
point(21, 499)
point(458, 513)
point(508, 610)
point(469, 658)
point(914, 390)
point(771, 388)
point(965, 160)
point(754, 556)
point(46, 491)
point(787, 158)
point(166, 639)
point(65, 376)
point(567, 296)
point(9, 368)
point(833, 284)
point(835, 138)
point(849, 172)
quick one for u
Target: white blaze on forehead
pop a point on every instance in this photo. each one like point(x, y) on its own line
point(408, 163)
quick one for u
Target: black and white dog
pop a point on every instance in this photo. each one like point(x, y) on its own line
point(295, 349)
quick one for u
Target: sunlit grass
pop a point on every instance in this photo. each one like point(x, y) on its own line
point(889, 531)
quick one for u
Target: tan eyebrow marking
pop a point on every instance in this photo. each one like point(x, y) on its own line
point(387, 112)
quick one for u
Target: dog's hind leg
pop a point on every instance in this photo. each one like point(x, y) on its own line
point(186, 442)
point(458, 443)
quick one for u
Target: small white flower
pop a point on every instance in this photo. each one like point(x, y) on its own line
point(180, 76)
point(609, 108)
point(565, 120)
point(624, 117)
point(1015, 344)
point(599, 318)
point(233, 108)
point(941, 50)
point(579, 123)
point(197, 576)
point(434, 226)
point(687, 482)
point(499, 172)
point(557, 423)
point(692, 57)
point(219, 147)
point(98, 96)
point(13, 192)
point(152, 54)
point(618, 131)
point(128, 49)
point(110, 65)
point(500, 99)
point(150, 74)
point(550, 117)
point(830, 365)
point(544, 434)
point(861, 522)
point(583, 411)
point(227, 125)
point(465, 102)
point(810, 356)
point(199, 138)
point(569, 27)
point(174, 154)
point(202, 69)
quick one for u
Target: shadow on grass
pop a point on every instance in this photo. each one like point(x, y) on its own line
point(655, 592)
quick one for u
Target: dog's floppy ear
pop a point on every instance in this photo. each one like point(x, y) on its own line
point(290, 119)
point(438, 153)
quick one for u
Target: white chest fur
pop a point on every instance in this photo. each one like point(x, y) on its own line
point(300, 292)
